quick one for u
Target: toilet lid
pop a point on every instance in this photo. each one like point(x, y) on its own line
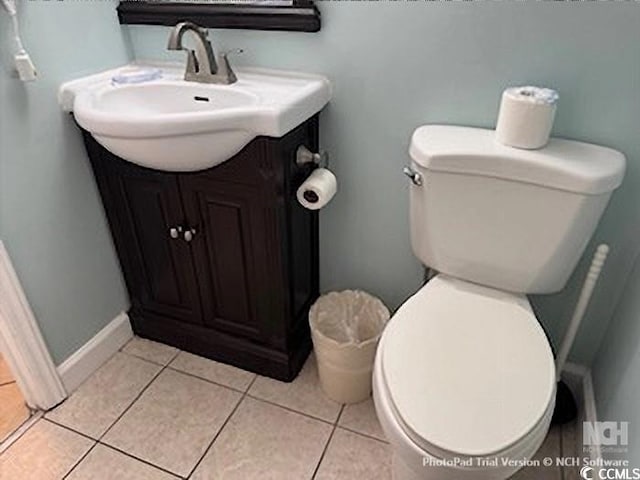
point(468, 368)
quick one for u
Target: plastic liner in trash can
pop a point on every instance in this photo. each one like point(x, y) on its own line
point(345, 328)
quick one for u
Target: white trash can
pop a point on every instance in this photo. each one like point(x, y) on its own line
point(345, 329)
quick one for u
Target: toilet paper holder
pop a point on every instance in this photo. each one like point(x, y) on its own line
point(305, 156)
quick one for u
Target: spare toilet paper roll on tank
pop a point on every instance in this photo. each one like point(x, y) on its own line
point(318, 189)
point(526, 117)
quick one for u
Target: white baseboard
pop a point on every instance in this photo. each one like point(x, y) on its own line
point(22, 344)
point(88, 358)
point(578, 378)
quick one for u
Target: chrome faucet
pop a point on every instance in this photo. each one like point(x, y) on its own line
point(201, 62)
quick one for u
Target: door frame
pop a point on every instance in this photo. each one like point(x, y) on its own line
point(22, 344)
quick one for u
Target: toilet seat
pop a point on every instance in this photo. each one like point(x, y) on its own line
point(468, 369)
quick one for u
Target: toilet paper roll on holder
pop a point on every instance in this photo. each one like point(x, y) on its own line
point(305, 156)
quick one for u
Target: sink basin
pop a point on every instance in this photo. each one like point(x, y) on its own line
point(157, 99)
point(173, 125)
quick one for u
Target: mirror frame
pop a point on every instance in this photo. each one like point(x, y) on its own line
point(300, 16)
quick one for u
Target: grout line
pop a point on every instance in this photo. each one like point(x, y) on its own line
point(106, 445)
point(343, 407)
point(99, 439)
point(351, 430)
point(244, 394)
point(308, 415)
point(251, 384)
point(80, 460)
point(169, 366)
point(88, 437)
point(255, 379)
point(140, 357)
point(206, 452)
point(235, 389)
point(178, 352)
point(326, 446)
point(245, 391)
point(141, 460)
point(133, 402)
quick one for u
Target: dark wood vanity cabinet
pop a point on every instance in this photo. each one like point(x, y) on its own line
point(222, 262)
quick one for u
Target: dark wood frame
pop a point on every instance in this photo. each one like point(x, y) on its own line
point(302, 16)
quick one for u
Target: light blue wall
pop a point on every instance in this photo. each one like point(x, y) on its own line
point(616, 369)
point(51, 220)
point(396, 65)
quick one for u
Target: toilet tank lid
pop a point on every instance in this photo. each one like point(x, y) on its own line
point(563, 164)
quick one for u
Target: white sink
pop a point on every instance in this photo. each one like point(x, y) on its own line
point(173, 125)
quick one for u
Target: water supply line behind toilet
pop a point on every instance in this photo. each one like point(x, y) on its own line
point(566, 410)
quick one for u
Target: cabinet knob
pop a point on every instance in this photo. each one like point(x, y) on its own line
point(174, 232)
point(189, 234)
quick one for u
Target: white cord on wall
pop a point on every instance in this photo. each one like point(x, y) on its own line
point(581, 307)
point(16, 32)
point(26, 70)
point(10, 5)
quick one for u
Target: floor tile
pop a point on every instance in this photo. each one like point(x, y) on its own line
point(214, 371)
point(303, 394)
point(5, 374)
point(361, 417)
point(99, 401)
point(550, 448)
point(104, 463)
point(173, 421)
point(266, 442)
point(13, 410)
point(152, 351)
point(352, 456)
point(45, 452)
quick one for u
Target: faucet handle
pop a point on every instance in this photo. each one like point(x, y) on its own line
point(233, 51)
point(227, 71)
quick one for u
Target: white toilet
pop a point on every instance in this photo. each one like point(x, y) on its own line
point(464, 378)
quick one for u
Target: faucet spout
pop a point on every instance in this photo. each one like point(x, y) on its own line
point(201, 62)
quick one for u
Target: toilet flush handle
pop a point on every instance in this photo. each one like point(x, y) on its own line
point(415, 177)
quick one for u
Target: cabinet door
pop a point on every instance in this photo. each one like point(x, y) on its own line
point(230, 250)
point(158, 268)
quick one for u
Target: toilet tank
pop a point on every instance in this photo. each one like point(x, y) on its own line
point(513, 219)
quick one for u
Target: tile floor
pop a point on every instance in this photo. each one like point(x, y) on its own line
point(155, 413)
point(13, 410)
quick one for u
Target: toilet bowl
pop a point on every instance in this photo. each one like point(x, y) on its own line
point(464, 379)
point(464, 383)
